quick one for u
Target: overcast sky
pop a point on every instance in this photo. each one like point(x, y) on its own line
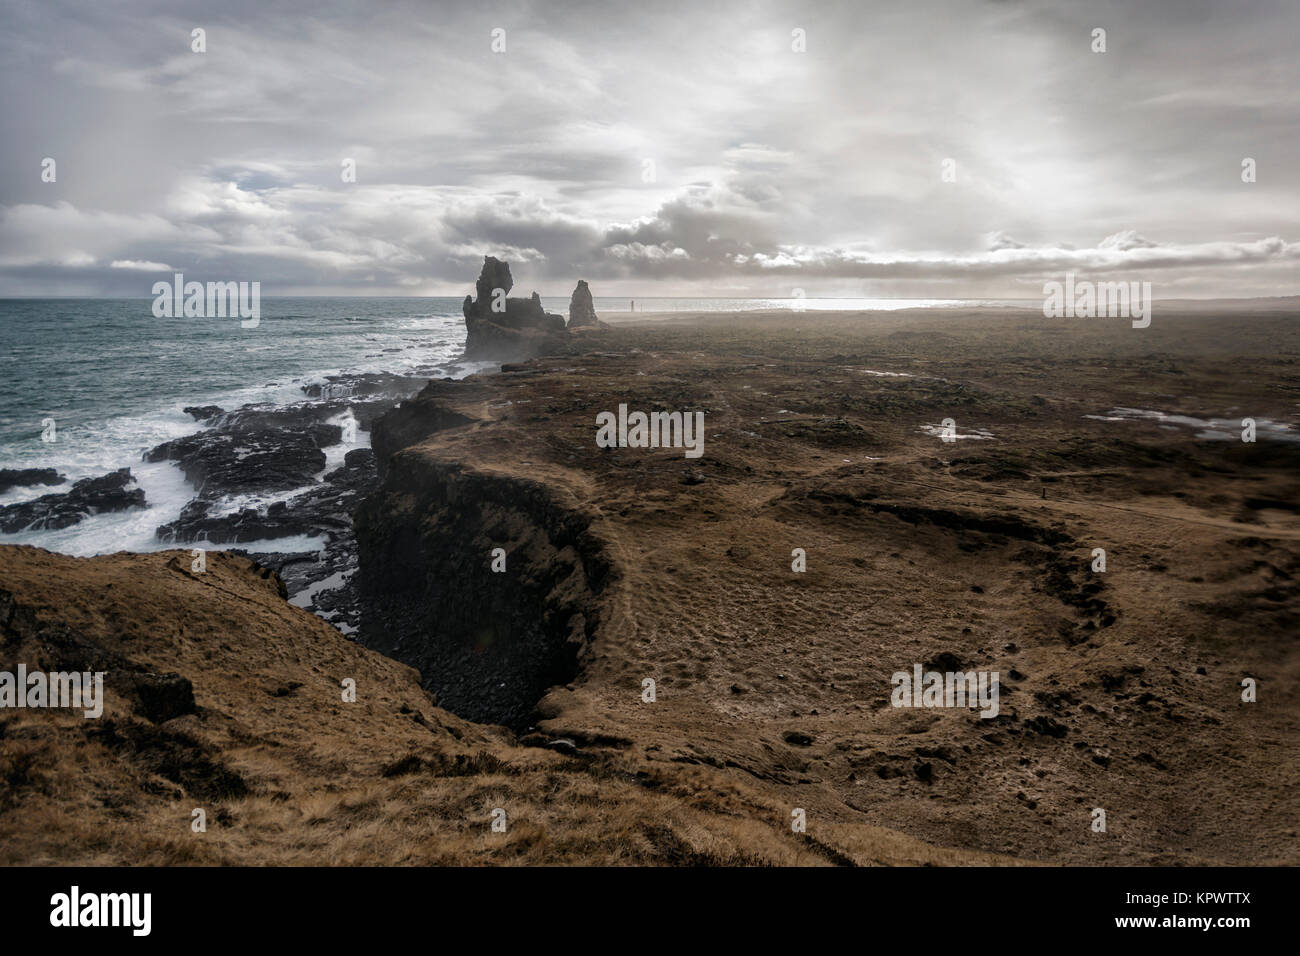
point(772, 169)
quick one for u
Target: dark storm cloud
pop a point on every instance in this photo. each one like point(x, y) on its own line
point(635, 144)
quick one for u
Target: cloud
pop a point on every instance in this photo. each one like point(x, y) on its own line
point(1000, 240)
point(140, 265)
point(296, 237)
point(769, 164)
point(60, 233)
point(1126, 241)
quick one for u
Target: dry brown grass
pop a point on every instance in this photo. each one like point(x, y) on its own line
point(327, 783)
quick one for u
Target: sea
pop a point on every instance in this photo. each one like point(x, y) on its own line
point(114, 381)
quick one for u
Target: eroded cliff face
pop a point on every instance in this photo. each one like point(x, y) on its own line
point(487, 584)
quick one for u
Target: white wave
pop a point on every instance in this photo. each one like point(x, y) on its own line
point(166, 492)
point(91, 450)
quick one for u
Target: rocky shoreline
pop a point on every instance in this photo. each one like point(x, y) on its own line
point(277, 457)
point(273, 450)
point(259, 473)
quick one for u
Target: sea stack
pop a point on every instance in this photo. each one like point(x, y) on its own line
point(581, 309)
point(507, 329)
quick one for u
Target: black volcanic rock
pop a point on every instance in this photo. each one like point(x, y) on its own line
point(254, 449)
point(203, 413)
point(115, 491)
point(323, 509)
point(379, 389)
point(272, 459)
point(26, 477)
point(582, 311)
point(259, 452)
point(495, 275)
point(504, 328)
point(268, 449)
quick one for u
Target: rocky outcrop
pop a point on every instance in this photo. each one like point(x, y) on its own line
point(368, 394)
point(582, 312)
point(507, 329)
point(256, 453)
point(203, 413)
point(115, 491)
point(322, 509)
point(26, 477)
point(410, 423)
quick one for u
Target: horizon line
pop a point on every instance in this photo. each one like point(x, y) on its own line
point(706, 298)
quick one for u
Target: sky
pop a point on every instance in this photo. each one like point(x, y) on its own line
point(930, 149)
